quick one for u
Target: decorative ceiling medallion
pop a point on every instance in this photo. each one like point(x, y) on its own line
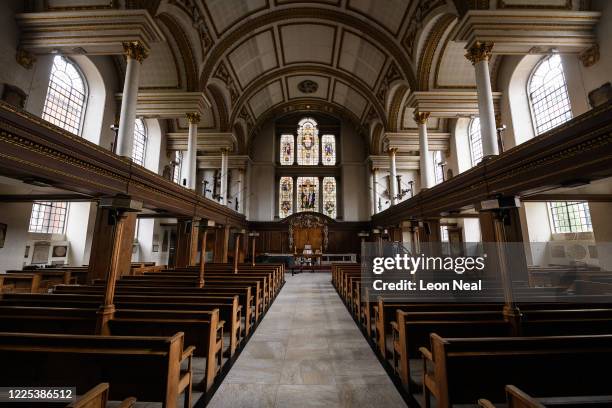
point(307, 86)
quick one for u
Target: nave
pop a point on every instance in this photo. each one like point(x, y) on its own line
point(307, 352)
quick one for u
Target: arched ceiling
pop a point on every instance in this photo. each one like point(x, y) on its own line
point(360, 56)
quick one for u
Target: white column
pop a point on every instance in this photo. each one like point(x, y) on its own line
point(239, 194)
point(135, 53)
point(425, 156)
point(374, 191)
point(479, 55)
point(224, 167)
point(371, 190)
point(247, 191)
point(192, 150)
point(393, 175)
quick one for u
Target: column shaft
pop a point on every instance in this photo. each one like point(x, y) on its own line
point(479, 55)
point(425, 156)
point(392, 176)
point(135, 54)
point(192, 148)
point(374, 192)
point(224, 167)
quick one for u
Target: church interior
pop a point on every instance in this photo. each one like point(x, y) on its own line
point(189, 190)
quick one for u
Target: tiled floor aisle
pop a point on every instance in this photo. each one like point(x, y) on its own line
point(307, 352)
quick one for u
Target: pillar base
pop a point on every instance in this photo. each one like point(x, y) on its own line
point(104, 315)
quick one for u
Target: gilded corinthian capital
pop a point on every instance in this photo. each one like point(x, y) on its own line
point(421, 117)
point(481, 51)
point(135, 49)
point(193, 117)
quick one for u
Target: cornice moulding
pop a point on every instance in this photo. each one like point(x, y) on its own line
point(448, 104)
point(207, 142)
point(409, 141)
point(166, 105)
point(92, 32)
point(214, 162)
point(381, 163)
point(529, 31)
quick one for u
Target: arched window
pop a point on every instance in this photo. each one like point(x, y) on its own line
point(139, 149)
point(307, 143)
point(305, 192)
point(176, 166)
point(66, 96)
point(475, 141)
point(550, 104)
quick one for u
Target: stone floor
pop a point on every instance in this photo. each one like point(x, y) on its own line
point(307, 352)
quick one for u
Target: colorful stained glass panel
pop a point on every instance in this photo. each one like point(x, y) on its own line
point(328, 151)
point(329, 197)
point(285, 197)
point(286, 150)
point(308, 143)
point(308, 194)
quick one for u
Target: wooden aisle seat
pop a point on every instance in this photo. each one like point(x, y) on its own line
point(263, 283)
point(277, 270)
point(271, 288)
point(148, 368)
point(245, 299)
point(73, 274)
point(20, 282)
point(203, 331)
point(97, 397)
point(385, 311)
point(258, 285)
point(414, 328)
point(228, 308)
point(140, 270)
point(255, 285)
point(462, 370)
point(48, 277)
point(516, 398)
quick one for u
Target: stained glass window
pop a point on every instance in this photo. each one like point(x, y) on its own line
point(66, 96)
point(286, 150)
point(329, 196)
point(475, 141)
point(328, 151)
point(140, 142)
point(548, 95)
point(285, 197)
point(308, 194)
point(308, 143)
point(570, 216)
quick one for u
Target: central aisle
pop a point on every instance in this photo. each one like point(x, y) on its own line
point(307, 352)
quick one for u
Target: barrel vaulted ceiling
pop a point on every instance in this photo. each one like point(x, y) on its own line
point(359, 59)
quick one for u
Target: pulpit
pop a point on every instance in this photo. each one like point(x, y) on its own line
point(308, 239)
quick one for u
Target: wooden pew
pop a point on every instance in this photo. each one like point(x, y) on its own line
point(20, 282)
point(257, 285)
point(462, 370)
point(244, 295)
point(148, 368)
point(97, 397)
point(201, 328)
point(227, 306)
point(517, 398)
